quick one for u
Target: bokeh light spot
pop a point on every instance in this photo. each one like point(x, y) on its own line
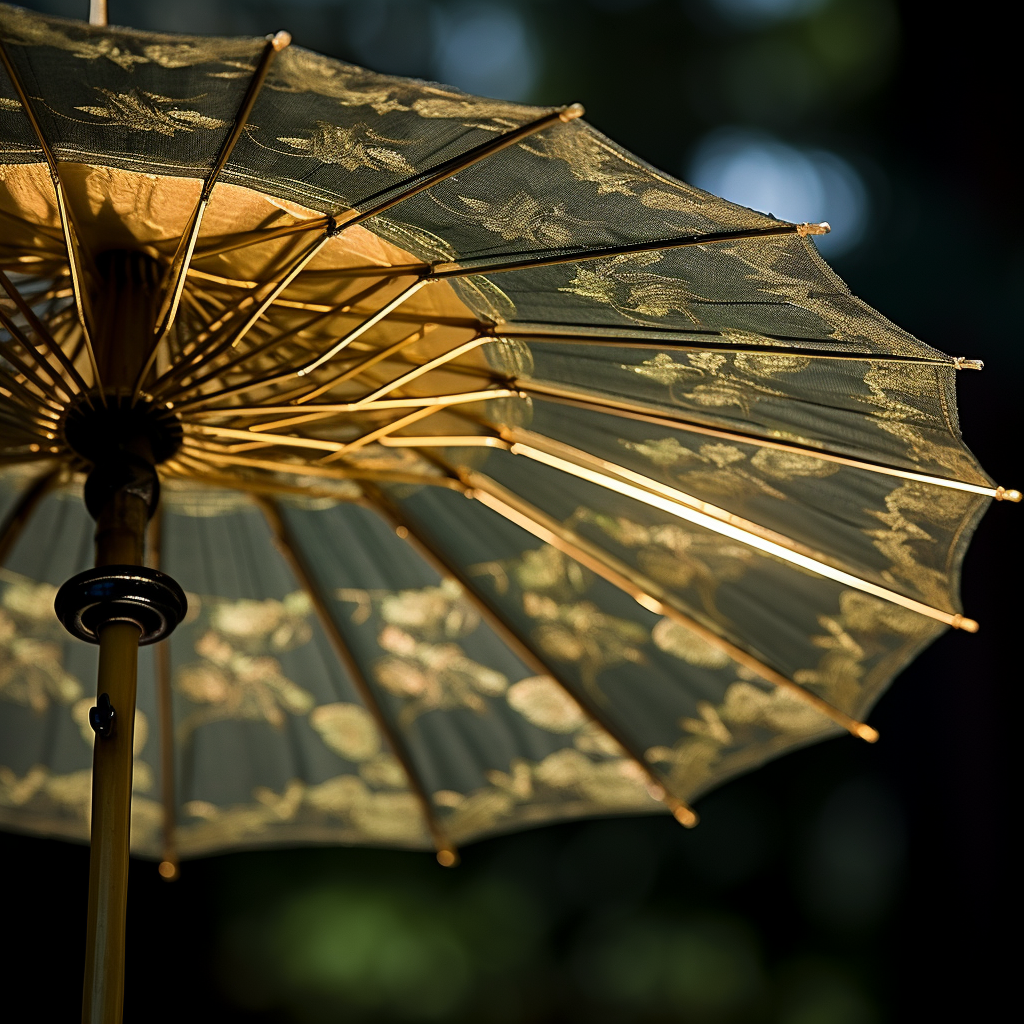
point(484, 49)
point(759, 171)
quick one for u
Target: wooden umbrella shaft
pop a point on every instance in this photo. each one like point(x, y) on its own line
point(103, 992)
point(120, 535)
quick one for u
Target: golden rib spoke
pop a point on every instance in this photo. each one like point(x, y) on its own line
point(70, 235)
point(334, 409)
point(230, 329)
point(634, 411)
point(356, 332)
point(650, 492)
point(175, 280)
point(381, 432)
point(272, 342)
point(211, 454)
point(39, 403)
point(56, 390)
point(445, 441)
point(446, 271)
point(645, 591)
point(525, 651)
point(40, 361)
point(419, 371)
point(687, 344)
point(244, 239)
point(385, 353)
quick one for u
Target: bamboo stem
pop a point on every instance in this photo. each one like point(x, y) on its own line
point(111, 817)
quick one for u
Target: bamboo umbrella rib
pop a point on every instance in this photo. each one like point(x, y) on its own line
point(39, 400)
point(446, 852)
point(66, 222)
point(383, 403)
point(683, 813)
point(175, 280)
point(671, 345)
point(58, 384)
point(418, 335)
point(362, 328)
point(650, 492)
point(641, 588)
point(184, 467)
point(446, 271)
point(287, 374)
point(245, 239)
point(17, 518)
point(445, 441)
point(271, 342)
point(418, 371)
point(202, 453)
point(15, 426)
point(627, 410)
point(39, 407)
point(405, 190)
point(41, 331)
point(382, 432)
point(235, 336)
point(17, 456)
point(427, 179)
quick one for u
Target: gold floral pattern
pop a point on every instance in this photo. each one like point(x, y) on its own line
point(32, 669)
point(237, 676)
point(353, 147)
point(567, 628)
point(675, 555)
point(143, 111)
point(423, 664)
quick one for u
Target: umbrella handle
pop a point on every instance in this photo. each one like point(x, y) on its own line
point(103, 992)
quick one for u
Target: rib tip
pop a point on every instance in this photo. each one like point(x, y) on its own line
point(866, 733)
point(448, 857)
point(571, 112)
point(169, 870)
point(964, 623)
point(962, 363)
point(685, 816)
point(280, 40)
point(1007, 494)
point(803, 230)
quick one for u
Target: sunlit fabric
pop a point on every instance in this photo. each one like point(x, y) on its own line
point(367, 626)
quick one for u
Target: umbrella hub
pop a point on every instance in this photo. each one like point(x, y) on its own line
point(123, 435)
point(104, 428)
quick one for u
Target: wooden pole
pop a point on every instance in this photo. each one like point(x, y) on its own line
point(103, 993)
point(120, 536)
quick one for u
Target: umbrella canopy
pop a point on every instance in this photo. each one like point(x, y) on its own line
point(716, 502)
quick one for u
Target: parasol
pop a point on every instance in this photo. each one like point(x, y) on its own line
point(499, 477)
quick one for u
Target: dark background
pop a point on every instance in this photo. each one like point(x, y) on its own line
point(844, 884)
